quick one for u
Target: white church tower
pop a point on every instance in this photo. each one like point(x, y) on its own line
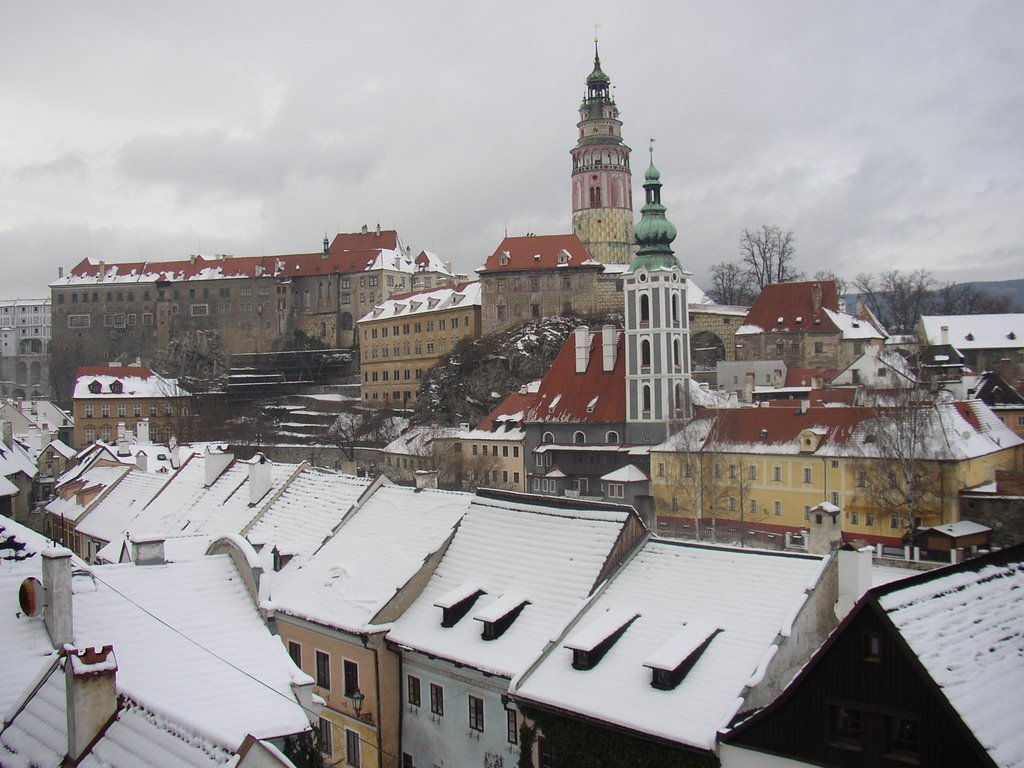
point(657, 324)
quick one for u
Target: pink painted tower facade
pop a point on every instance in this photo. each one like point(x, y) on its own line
point(602, 191)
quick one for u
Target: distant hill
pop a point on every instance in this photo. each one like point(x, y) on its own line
point(1014, 289)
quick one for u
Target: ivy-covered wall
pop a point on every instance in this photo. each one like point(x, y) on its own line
point(582, 745)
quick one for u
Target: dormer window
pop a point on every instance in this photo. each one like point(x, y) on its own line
point(504, 259)
point(499, 615)
point(95, 387)
point(591, 644)
point(456, 603)
point(670, 663)
point(563, 256)
point(970, 337)
point(116, 387)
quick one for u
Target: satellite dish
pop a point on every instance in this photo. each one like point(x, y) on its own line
point(30, 596)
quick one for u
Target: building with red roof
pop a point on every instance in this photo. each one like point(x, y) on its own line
point(754, 472)
point(226, 305)
point(804, 325)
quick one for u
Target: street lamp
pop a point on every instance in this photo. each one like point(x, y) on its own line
point(356, 698)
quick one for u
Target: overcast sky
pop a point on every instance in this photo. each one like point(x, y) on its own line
point(884, 134)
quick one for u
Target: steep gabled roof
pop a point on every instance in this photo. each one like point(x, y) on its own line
point(594, 396)
point(534, 252)
point(1003, 331)
point(788, 308)
point(744, 602)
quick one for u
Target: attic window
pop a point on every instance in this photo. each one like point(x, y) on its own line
point(504, 258)
point(536, 257)
point(563, 256)
point(969, 337)
point(592, 404)
point(780, 320)
point(869, 438)
point(595, 640)
point(670, 663)
point(116, 387)
point(95, 387)
point(456, 603)
point(499, 615)
point(764, 434)
point(799, 318)
point(457, 298)
point(1011, 336)
point(554, 404)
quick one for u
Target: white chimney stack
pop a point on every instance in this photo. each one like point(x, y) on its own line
point(582, 336)
point(142, 431)
point(57, 586)
point(260, 478)
point(148, 550)
point(854, 578)
point(215, 463)
point(142, 461)
point(91, 695)
point(608, 348)
point(945, 334)
point(426, 478)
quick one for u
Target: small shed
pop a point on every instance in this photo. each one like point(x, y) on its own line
point(962, 535)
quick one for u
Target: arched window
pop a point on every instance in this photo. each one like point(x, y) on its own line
point(676, 355)
point(647, 398)
point(612, 437)
point(645, 308)
point(548, 438)
point(645, 354)
point(579, 438)
point(679, 400)
point(675, 308)
point(595, 197)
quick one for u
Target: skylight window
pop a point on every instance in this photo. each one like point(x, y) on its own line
point(670, 662)
point(591, 644)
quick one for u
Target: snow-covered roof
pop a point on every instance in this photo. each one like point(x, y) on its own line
point(630, 473)
point(118, 382)
point(375, 551)
point(191, 644)
point(188, 504)
point(966, 626)
point(549, 555)
point(111, 515)
point(959, 528)
point(308, 508)
point(14, 459)
point(853, 327)
point(1004, 331)
point(742, 601)
point(425, 302)
point(85, 490)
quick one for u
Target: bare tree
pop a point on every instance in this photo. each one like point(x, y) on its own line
point(897, 298)
point(370, 426)
point(768, 253)
point(900, 469)
point(731, 284)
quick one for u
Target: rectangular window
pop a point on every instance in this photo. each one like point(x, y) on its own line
point(845, 727)
point(512, 727)
point(295, 651)
point(777, 474)
point(807, 474)
point(352, 756)
point(407, 761)
point(122, 410)
point(546, 752)
point(903, 738)
point(199, 309)
point(105, 411)
point(326, 742)
point(476, 713)
point(778, 508)
point(323, 670)
point(90, 434)
point(436, 699)
point(413, 688)
point(351, 671)
point(79, 321)
point(88, 411)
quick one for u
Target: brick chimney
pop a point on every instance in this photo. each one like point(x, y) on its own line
point(582, 339)
point(91, 692)
point(57, 587)
point(816, 298)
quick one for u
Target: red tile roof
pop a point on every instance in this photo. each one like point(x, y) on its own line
point(118, 371)
point(787, 308)
point(534, 252)
point(515, 403)
point(804, 377)
point(564, 395)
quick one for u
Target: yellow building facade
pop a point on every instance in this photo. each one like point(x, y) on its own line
point(404, 337)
